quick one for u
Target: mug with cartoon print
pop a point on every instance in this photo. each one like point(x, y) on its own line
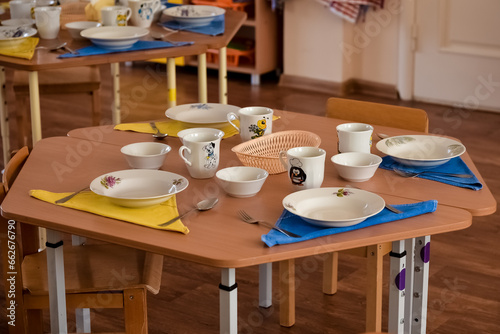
point(306, 166)
point(143, 12)
point(254, 122)
point(200, 152)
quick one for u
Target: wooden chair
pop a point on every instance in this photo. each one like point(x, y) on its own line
point(374, 114)
point(77, 80)
point(97, 276)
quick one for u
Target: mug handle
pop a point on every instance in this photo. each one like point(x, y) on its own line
point(129, 13)
point(156, 6)
point(181, 151)
point(283, 159)
point(231, 117)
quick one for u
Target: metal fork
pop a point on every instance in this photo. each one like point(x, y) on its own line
point(250, 220)
point(67, 198)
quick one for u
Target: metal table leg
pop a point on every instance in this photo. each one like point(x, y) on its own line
point(57, 287)
point(228, 292)
point(397, 286)
point(265, 285)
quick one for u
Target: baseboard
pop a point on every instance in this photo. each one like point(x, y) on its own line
point(351, 86)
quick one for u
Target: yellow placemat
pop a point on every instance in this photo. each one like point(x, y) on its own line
point(150, 216)
point(172, 127)
point(25, 49)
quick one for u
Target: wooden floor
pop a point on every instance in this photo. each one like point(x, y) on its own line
point(464, 294)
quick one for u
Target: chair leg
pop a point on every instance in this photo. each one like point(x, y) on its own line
point(374, 288)
point(135, 309)
point(96, 107)
point(330, 273)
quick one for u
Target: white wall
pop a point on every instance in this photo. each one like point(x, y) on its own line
point(320, 45)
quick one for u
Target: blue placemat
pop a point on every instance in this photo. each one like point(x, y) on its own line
point(455, 165)
point(297, 225)
point(139, 45)
point(214, 28)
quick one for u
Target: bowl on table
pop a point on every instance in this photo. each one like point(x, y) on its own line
point(241, 181)
point(147, 155)
point(356, 166)
point(76, 27)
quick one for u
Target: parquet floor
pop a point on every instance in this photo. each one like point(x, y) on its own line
point(464, 294)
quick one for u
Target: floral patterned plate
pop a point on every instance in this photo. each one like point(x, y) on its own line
point(137, 188)
point(334, 207)
point(421, 150)
point(193, 15)
point(201, 113)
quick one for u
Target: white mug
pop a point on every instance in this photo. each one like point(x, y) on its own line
point(47, 20)
point(354, 137)
point(254, 122)
point(305, 166)
point(115, 15)
point(200, 152)
point(21, 9)
point(143, 12)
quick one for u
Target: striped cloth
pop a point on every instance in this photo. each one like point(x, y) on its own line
point(351, 10)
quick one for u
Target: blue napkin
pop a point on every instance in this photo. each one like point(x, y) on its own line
point(139, 45)
point(214, 28)
point(297, 225)
point(455, 165)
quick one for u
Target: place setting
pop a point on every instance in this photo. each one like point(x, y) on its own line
point(202, 19)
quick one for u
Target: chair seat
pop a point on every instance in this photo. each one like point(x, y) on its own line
point(94, 268)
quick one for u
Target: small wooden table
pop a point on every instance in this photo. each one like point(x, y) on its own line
point(62, 164)
point(46, 60)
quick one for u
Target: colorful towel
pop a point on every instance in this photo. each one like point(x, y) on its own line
point(455, 165)
point(352, 10)
point(25, 49)
point(150, 216)
point(139, 45)
point(297, 225)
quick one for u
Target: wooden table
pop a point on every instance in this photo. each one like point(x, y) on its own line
point(63, 164)
point(46, 60)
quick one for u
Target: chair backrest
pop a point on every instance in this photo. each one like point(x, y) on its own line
point(378, 114)
point(29, 233)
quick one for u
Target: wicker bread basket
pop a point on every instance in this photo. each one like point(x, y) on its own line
point(264, 152)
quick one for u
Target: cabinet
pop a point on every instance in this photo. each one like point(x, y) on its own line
point(254, 49)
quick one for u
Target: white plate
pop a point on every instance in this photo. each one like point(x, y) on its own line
point(114, 38)
point(19, 22)
point(421, 150)
point(193, 15)
point(334, 207)
point(138, 187)
point(201, 113)
point(7, 34)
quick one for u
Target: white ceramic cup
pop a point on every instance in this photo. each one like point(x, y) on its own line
point(354, 137)
point(200, 152)
point(115, 15)
point(143, 12)
point(254, 122)
point(305, 166)
point(47, 20)
point(21, 9)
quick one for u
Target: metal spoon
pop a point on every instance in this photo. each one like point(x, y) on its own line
point(158, 134)
point(204, 205)
point(160, 36)
point(412, 174)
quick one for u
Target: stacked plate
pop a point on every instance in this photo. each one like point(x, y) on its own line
point(193, 15)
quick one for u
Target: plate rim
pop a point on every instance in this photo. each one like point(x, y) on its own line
point(332, 223)
point(236, 108)
point(221, 11)
point(383, 148)
point(148, 171)
point(140, 32)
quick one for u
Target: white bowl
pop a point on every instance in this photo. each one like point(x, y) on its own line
point(147, 155)
point(356, 166)
point(241, 181)
point(74, 28)
point(113, 37)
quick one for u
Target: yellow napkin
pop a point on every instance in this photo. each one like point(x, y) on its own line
point(25, 49)
point(150, 216)
point(93, 9)
point(172, 127)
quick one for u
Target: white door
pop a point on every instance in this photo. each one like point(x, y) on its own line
point(457, 56)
